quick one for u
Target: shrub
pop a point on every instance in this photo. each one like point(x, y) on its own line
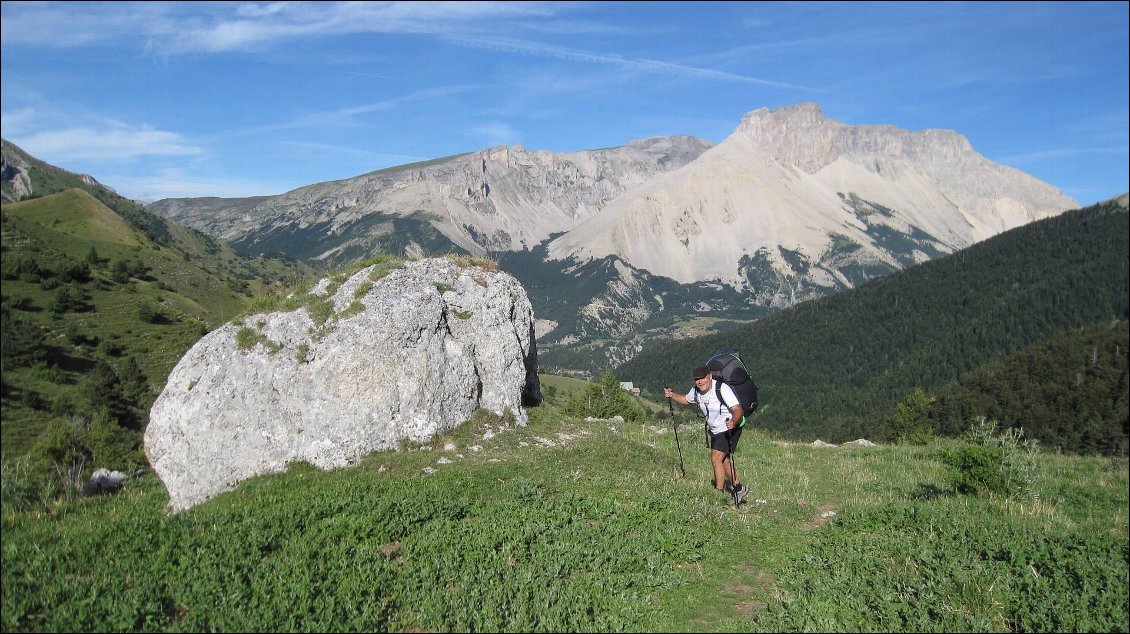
point(605, 399)
point(994, 463)
point(909, 424)
point(147, 313)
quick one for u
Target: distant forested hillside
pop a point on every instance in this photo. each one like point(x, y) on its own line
point(836, 367)
point(1070, 392)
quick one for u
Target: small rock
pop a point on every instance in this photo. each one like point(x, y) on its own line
point(104, 481)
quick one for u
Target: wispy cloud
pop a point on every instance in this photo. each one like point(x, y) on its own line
point(178, 183)
point(73, 24)
point(175, 28)
point(648, 65)
point(114, 142)
point(343, 117)
point(497, 133)
point(282, 21)
point(368, 158)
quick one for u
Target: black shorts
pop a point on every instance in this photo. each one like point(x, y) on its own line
point(727, 441)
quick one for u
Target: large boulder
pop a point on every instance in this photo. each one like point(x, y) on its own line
point(402, 357)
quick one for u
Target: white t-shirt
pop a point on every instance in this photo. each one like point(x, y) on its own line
point(716, 412)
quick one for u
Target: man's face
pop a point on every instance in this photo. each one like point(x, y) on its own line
point(702, 383)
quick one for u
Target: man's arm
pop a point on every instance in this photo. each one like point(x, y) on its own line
point(675, 396)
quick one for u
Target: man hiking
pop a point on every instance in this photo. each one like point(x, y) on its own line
point(722, 423)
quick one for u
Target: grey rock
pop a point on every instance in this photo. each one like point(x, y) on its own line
point(432, 343)
point(104, 481)
point(14, 165)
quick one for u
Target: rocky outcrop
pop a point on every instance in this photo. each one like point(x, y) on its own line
point(14, 173)
point(365, 365)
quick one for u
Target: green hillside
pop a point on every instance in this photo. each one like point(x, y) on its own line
point(574, 526)
point(96, 312)
point(1070, 392)
point(835, 368)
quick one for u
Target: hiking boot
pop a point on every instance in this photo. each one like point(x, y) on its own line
point(739, 494)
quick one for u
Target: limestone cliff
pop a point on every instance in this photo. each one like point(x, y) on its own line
point(791, 184)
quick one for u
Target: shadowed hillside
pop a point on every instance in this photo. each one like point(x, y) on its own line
point(836, 367)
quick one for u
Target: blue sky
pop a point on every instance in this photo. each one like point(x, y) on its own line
point(236, 99)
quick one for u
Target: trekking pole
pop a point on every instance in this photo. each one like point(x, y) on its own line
point(730, 457)
point(675, 426)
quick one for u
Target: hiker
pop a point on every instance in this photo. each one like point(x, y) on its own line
point(722, 426)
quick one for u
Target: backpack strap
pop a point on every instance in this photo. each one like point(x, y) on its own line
point(718, 393)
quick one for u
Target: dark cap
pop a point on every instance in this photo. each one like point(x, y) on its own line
point(700, 372)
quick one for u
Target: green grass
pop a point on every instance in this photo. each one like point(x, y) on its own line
point(572, 526)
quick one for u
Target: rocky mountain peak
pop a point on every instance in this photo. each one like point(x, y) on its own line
point(792, 194)
point(801, 136)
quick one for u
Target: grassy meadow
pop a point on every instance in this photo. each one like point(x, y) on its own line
point(568, 525)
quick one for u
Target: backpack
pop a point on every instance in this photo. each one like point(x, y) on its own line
point(727, 367)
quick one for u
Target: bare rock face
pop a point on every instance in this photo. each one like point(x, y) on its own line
point(402, 358)
point(833, 195)
point(501, 198)
point(14, 173)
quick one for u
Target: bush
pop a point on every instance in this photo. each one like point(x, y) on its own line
point(994, 463)
point(147, 313)
point(909, 424)
point(605, 399)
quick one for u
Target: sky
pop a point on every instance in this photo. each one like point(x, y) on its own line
point(169, 99)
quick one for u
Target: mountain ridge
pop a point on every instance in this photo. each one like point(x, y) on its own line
point(790, 178)
point(497, 199)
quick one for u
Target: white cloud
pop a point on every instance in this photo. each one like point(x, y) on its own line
point(571, 54)
point(497, 133)
point(177, 183)
point(269, 24)
point(195, 27)
point(118, 142)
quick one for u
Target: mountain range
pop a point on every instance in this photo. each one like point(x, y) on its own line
point(663, 237)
